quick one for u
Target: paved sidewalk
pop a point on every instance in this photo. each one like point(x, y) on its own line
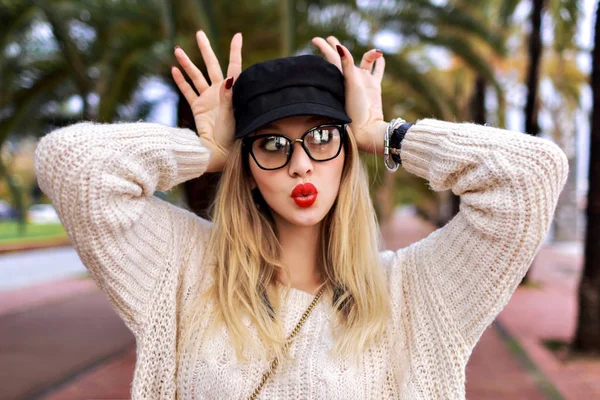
point(493, 371)
point(49, 342)
point(547, 311)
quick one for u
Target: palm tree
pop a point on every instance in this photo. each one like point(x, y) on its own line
point(84, 55)
point(560, 68)
point(587, 336)
point(533, 72)
point(129, 40)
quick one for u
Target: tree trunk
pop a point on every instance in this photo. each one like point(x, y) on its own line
point(288, 27)
point(478, 116)
point(535, 53)
point(533, 76)
point(587, 336)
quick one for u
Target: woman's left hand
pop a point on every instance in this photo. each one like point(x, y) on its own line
point(363, 92)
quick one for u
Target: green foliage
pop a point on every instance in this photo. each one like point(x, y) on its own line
point(55, 50)
point(10, 232)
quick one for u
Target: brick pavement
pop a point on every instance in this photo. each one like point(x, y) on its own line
point(548, 311)
point(46, 344)
point(494, 371)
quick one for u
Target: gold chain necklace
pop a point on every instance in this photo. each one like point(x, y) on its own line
point(287, 344)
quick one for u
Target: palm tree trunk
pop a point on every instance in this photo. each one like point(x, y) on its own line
point(587, 336)
point(535, 53)
point(478, 116)
point(288, 27)
point(533, 76)
point(17, 195)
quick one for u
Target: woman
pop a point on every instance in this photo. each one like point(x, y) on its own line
point(285, 295)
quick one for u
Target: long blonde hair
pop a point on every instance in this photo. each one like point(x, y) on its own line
point(245, 257)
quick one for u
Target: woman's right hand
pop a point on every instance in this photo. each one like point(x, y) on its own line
point(211, 106)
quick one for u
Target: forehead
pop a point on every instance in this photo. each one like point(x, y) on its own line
point(297, 124)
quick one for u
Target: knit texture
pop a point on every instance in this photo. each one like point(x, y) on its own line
point(148, 256)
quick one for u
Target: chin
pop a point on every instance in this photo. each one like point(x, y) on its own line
point(304, 216)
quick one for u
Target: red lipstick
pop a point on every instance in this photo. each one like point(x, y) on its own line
point(304, 194)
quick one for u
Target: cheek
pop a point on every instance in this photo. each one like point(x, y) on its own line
point(333, 174)
point(268, 182)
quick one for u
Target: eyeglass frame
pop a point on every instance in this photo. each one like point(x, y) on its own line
point(248, 141)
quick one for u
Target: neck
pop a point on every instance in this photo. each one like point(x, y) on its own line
point(300, 247)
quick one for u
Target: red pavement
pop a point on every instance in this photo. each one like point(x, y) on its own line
point(54, 336)
point(494, 371)
point(549, 312)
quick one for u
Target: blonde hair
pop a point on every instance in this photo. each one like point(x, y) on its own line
point(245, 261)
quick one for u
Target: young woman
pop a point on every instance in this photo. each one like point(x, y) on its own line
point(285, 294)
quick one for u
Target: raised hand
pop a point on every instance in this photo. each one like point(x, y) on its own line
point(363, 91)
point(211, 104)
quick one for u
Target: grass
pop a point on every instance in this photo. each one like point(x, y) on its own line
point(11, 234)
point(559, 348)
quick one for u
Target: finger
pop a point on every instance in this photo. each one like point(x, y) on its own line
point(379, 68)
point(235, 56)
point(225, 119)
point(333, 41)
point(186, 89)
point(329, 52)
point(210, 59)
point(368, 59)
point(348, 68)
point(191, 70)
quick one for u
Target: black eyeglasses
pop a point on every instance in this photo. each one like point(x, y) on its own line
point(274, 150)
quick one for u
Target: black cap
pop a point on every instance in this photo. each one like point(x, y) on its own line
point(287, 87)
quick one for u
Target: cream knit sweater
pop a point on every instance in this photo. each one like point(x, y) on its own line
point(147, 256)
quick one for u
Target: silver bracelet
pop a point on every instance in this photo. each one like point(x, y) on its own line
point(390, 164)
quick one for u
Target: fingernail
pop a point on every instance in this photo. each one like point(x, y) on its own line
point(229, 83)
point(340, 50)
point(177, 47)
point(379, 51)
point(199, 31)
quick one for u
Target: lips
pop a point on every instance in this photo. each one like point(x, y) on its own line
point(304, 194)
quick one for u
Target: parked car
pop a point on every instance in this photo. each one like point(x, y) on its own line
point(42, 214)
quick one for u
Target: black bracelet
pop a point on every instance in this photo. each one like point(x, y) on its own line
point(396, 141)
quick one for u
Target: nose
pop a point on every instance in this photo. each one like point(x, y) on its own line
point(300, 163)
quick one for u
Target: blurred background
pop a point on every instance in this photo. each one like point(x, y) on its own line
point(525, 65)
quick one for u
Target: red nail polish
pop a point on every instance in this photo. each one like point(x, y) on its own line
point(340, 50)
point(379, 51)
point(177, 47)
point(229, 83)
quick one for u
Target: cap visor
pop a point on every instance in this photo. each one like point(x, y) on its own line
point(292, 110)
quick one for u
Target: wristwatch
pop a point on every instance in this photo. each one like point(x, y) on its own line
point(394, 135)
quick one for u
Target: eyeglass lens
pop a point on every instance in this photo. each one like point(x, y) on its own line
point(322, 144)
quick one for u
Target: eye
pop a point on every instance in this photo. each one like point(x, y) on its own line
point(273, 143)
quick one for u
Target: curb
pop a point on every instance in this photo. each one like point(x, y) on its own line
point(545, 385)
point(42, 244)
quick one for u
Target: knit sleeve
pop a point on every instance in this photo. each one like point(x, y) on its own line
point(460, 277)
point(101, 178)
